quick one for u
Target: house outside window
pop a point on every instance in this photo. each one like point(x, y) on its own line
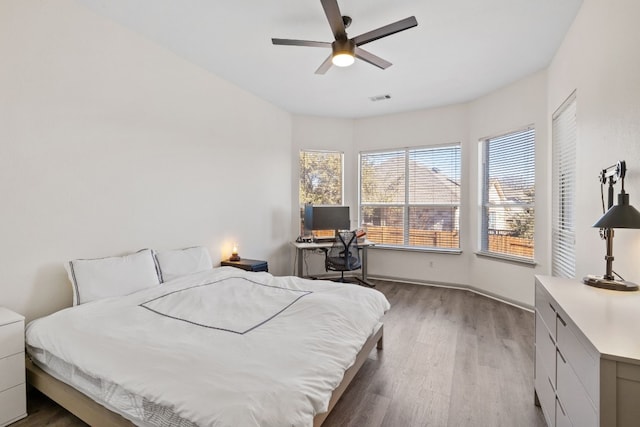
point(321, 177)
point(508, 195)
point(411, 197)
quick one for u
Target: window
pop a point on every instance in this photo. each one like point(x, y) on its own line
point(563, 257)
point(508, 194)
point(411, 197)
point(321, 177)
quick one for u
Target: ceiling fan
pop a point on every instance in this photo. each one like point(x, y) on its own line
point(345, 49)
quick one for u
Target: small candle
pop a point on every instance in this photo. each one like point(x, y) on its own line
point(234, 253)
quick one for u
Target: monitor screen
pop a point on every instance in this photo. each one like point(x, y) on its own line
point(326, 218)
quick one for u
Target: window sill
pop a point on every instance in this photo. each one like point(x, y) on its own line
point(508, 258)
point(418, 249)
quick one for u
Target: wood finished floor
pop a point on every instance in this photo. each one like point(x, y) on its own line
point(450, 358)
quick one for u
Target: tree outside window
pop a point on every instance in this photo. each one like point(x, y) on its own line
point(321, 177)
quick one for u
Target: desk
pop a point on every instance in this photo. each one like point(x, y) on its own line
point(304, 246)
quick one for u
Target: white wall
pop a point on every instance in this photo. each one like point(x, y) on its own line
point(321, 133)
point(421, 128)
point(505, 110)
point(109, 144)
point(600, 59)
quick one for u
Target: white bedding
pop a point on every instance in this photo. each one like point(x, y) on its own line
point(217, 348)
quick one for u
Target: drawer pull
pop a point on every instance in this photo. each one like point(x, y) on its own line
point(562, 321)
point(560, 406)
point(562, 357)
point(551, 339)
point(554, 310)
point(551, 384)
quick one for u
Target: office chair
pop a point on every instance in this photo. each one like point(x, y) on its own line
point(343, 255)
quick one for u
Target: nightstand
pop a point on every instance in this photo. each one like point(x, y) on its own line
point(13, 392)
point(247, 264)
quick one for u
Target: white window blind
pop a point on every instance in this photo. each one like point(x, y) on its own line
point(411, 197)
point(321, 177)
point(508, 194)
point(563, 258)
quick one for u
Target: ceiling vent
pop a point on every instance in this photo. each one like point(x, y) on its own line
point(380, 98)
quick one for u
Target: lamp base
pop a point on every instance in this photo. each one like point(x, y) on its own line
point(615, 285)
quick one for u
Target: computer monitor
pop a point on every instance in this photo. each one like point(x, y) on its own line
point(325, 218)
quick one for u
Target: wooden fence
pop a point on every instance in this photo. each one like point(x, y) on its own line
point(394, 236)
point(516, 246)
point(509, 245)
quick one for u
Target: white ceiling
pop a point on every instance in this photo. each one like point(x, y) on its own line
point(460, 50)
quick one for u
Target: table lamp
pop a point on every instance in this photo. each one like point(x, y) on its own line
point(234, 254)
point(622, 215)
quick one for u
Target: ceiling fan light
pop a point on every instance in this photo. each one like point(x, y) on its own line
point(343, 59)
point(343, 52)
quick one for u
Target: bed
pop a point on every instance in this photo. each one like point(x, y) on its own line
point(221, 347)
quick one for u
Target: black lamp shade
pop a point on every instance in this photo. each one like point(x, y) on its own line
point(622, 215)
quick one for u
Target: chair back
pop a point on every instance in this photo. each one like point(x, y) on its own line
point(344, 254)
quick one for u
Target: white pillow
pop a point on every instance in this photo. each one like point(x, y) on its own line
point(93, 279)
point(179, 262)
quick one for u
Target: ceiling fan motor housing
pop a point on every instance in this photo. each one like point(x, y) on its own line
point(343, 47)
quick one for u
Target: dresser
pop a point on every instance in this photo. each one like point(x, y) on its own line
point(13, 397)
point(587, 354)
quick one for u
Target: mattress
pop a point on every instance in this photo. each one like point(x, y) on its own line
point(218, 348)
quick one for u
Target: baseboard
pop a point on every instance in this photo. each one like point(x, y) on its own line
point(469, 288)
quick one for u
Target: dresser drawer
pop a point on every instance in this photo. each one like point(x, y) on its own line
point(572, 395)
point(13, 404)
point(583, 359)
point(546, 308)
point(562, 420)
point(11, 371)
point(545, 349)
point(545, 391)
point(11, 339)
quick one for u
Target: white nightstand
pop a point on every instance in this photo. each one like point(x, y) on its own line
point(13, 391)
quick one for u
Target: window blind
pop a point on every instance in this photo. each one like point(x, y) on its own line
point(411, 197)
point(563, 258)
point(508, 194)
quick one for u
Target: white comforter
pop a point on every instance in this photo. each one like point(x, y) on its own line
point(222, 347)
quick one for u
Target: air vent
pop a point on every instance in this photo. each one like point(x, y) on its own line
point(380, 98)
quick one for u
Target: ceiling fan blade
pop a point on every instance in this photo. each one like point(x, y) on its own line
point(324, 67)
point(289, 42)
point(334, 16)
point(387, 30)
point(371, 58)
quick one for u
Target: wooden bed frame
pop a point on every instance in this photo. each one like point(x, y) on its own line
point(97, 415)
